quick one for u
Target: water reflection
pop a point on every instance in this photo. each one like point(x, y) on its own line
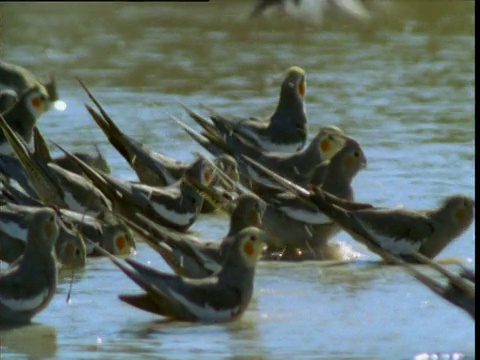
point(35, 341)
point(245, 336)
point(404, 87)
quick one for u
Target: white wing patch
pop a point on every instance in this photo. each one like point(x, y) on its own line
point(80, 217)
point(12, 229)
point(314, 218)
point(168, 177)
point(172, 215)
point(401, 246)
point(73, 204)
point(27, 304)
point(205, 312)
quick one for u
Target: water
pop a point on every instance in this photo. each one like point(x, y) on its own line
point(404, 88)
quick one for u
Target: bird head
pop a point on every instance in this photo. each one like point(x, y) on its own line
point(353, 157)
point(461, 208)
point(251, 208)
point(72, 253)
point(44, 229)
point(331, 140)
point(250, 242)
point(295, 82)
point(36, 100)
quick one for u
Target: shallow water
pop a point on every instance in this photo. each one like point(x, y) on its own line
point(404, 88)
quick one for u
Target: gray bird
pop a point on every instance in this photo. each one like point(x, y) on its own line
point(28, 285)
point(18, 79)
point(403, 231)
point(176, 206)
point(152, 168)
point(219, 298)
point(283, 131)
point(302, 167)
point(22, 116)
point(113, 236)
point(54, 185)
point(292, 223)
point(194, 257)
point(15, 221)
point(95, 160)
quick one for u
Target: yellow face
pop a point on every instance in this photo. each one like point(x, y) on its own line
point(121, 245)
point(123, 242)
point(296, 76)
point(251, 244)
point(331, 142)
point(72, 254)
point(38, 102)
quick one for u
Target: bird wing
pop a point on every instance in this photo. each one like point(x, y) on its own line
point(396, 230)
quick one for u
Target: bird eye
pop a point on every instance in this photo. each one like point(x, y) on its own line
point(252, 238)
point(356, 154)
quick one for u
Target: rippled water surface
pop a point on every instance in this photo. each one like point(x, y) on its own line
point(403, 87)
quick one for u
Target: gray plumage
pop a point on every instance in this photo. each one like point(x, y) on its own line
point(284, 131)
point(28, 286)
point(15, 221)
point(191, 256)
point(290, 223)
point(401, 231)
point(220, 298)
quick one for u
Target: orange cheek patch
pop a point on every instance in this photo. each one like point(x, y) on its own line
point(120, 243)
point(325, 145)
point(302, 88)
point(36, 102)
point(249, 249)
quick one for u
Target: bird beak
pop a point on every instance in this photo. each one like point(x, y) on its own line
point(363, 164)
point(302, 87)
